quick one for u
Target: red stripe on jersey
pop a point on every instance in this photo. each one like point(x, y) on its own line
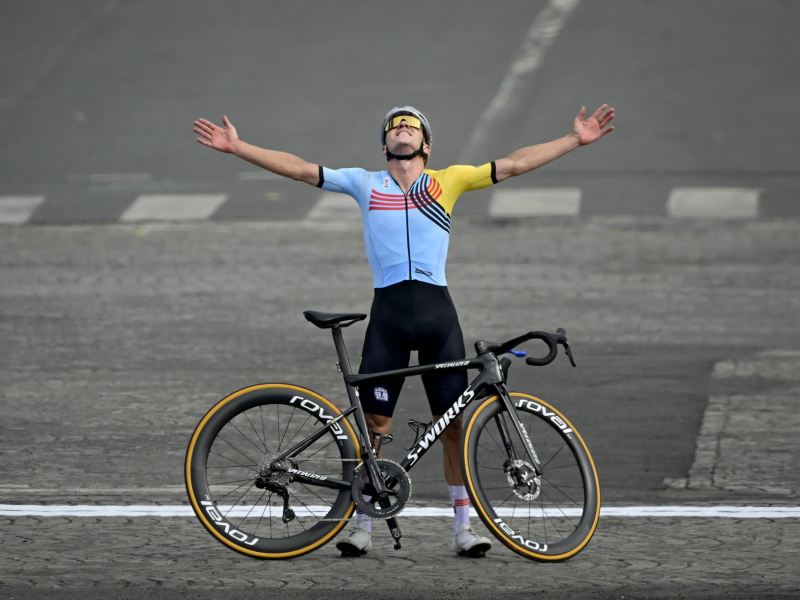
point(387, 196)
point(435, 189)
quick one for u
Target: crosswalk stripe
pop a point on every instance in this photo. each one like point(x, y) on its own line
point(334, 208)
point(713, 203)
point(16, 210)
point(174, 207)
point(536, 202)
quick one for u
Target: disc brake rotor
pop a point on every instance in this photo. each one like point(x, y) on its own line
point(532, 486)
point(397, 482)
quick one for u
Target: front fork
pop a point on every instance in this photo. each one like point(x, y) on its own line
point(502, 391)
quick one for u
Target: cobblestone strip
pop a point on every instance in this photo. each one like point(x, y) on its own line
point(636, 556)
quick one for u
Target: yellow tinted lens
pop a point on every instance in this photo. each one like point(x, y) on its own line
point(412, 122)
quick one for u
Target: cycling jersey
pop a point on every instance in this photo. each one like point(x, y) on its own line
point(407, 235)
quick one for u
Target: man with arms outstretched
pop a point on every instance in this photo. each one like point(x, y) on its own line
point(406, 212)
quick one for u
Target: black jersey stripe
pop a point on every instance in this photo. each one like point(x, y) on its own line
point(321, 177)
point(428, 206)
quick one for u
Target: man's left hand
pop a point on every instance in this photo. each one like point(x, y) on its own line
point(594, 127)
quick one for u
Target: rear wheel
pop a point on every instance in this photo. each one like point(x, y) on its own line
point(235, 442)
point(546, 518)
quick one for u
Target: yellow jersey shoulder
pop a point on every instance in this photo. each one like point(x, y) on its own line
point(448, 184)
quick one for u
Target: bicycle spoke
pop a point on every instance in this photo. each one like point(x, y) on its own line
point(299, 429)
point(240, 499)
point(289, 422)
point(255, 533)
point(263, 429)
point(251, 509)
point(562, 493)
point(318, 450)
point(552, 457)
point(327, 502)
point(230, 459)
point(264, 441)
point(254, 462)
point(244, 436)
point(234, 481)
point(559, 509)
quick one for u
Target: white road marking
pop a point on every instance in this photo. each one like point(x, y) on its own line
point(332, 208)
point(536, 202)
point(540, 37)
point(705, 512)
point(713, 203)
point(175, 207)
point(16, 210)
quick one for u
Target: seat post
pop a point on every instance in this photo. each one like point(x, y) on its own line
point(341, 351)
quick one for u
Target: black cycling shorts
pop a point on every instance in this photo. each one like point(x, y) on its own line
point(406, 316)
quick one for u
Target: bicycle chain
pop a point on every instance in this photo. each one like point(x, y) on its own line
point(358, 460)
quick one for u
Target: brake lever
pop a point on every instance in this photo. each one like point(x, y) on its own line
point(562, 339)
point(568, 350)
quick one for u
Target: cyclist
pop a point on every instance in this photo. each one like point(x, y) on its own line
point(406, 213)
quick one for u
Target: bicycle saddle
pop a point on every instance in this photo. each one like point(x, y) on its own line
point(328, 320)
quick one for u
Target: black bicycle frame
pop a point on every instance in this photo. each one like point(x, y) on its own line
point(490, 376)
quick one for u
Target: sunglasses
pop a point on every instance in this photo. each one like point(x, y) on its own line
point(410, 121)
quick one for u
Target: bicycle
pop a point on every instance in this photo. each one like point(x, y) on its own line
point(527, 471)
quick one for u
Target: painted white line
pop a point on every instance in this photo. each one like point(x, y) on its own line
point(175, 207)
point(333, 207)
point(16, 210)
point(540, 37)
point(713, 203)
point(258, 175)
point(536, 202)
point(705, 512)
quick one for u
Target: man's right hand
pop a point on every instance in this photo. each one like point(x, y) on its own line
point(218, 138)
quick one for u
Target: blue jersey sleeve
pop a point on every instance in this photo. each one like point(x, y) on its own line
point(345, 181)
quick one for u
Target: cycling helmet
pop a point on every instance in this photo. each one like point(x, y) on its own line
point(407, 110)
point(426, 132)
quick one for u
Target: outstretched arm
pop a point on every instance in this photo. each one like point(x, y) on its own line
point(533, 157)
point(225, 139)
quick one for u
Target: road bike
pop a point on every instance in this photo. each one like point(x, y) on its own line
point(276, 470)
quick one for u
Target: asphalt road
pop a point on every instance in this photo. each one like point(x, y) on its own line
point(117, 338)
point(702, 93)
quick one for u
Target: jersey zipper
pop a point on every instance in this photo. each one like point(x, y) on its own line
point(408, 231)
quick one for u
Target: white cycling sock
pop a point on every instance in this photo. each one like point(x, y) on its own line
point(458, 494)
point(362, 519)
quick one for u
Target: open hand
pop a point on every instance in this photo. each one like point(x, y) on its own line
point(594, 127)
point(218, 138)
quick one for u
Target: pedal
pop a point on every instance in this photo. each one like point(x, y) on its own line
point(395, 530)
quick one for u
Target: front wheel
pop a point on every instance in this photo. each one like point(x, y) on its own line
point(547, 518)
point(248, 507)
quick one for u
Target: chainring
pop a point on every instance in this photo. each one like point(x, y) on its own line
point(397, 482)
